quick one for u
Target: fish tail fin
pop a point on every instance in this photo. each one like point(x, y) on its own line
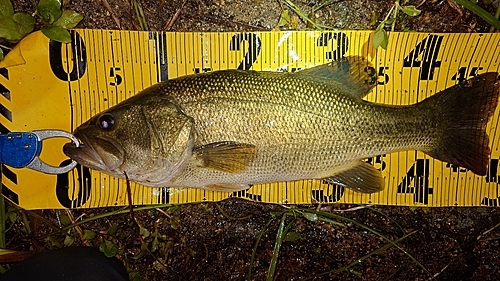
point(466, 108)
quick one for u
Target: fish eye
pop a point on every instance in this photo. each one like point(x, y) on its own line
point(106, 121)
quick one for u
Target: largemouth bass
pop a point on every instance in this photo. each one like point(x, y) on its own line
point(226, 130)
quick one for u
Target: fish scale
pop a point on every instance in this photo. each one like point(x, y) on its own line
point(230, 129)
point(298, 109)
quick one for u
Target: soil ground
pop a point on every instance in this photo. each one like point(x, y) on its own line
point(215, 241)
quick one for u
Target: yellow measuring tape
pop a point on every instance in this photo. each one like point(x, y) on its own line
point(49, 85)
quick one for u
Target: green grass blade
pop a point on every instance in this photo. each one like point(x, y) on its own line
point(277, 245)
point(257, 245)
point(497, 15)
point(139, 12)
point(358, 261)
point(303, 15)
point(489, 18)
point(322, 5)
point(387, 216)
point(372, 231)
point(120, 211)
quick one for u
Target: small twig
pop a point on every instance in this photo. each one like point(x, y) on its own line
point(3, 218)
point(77, 228)
point(353, 209)
point(420, 4)
point(169, 217)
point(326, 4)
point(15, 256)
point(228, 216)
point(170, 23)
point(304, 15)
point(160, 262)
point(163, 212)
point(458, 9)
point(230, 23)
point(489, 230)
point(117, 21)
point(442, 270)
point(129, 197)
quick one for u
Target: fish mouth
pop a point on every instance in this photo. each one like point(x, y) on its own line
point(97, 153)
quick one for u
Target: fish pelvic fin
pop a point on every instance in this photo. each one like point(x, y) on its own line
point(355, 73)
point(362, 177)
point(466, 108)
point(226, 156)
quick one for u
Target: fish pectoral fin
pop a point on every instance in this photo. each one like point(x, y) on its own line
point(226, 156)
point(353, 72)
point(227, 187)
point(363, 177)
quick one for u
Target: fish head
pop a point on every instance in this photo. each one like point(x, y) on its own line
point(149, 141)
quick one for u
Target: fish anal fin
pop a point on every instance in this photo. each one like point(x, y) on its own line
point(226, 156)
point(362, 177)
point(355, 73)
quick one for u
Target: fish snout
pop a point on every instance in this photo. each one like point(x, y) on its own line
point(96, 153)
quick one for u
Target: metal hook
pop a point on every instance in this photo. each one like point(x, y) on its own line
point(41, 166)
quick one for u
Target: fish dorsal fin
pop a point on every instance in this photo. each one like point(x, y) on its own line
point(363, 177)
point(354, 72)
point(226, 156)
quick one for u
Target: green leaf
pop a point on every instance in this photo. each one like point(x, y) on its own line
point(374, 18)
point(6, 9)
point(52, 242)
point(284, 18)
point(25, 23)
point(174, 222)
point(8, 30)
point(135, 276)
point(310, 216)
point(172, 209)
point(68, 241)
point(143, 231)
point(380, 39)
point(68, 19)
point(1, 58)
point(88, 234)
point(293, 236)
point(356, 273)
point(65, 220)
point(109, 248)
point(381, 25)
point(154, 245)
point(13, 216)
point(410, 10)
point(49, 10)
point(57, 33)
point(112, 229)
point(390, 21)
